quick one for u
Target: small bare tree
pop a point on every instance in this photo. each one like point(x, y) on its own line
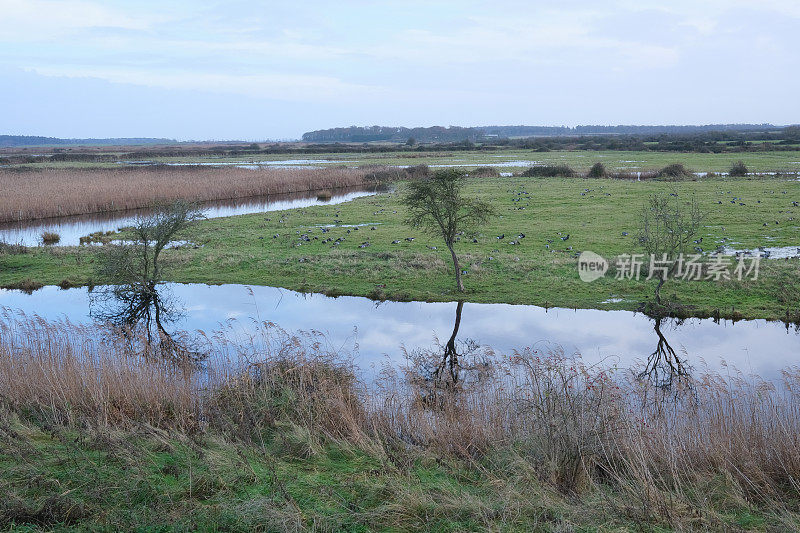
point(667, 227)
point(138, 260)
point(133, 271)
point(437, 206)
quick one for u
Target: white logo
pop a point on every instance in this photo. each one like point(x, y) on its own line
point(591, 266)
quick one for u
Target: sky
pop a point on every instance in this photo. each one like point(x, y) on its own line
point(200, 70)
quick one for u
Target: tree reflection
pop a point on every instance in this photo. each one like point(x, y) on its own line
point(441, 374)
point(132, 301)
point(143, 313)
point(665, 369)
point(449, 362)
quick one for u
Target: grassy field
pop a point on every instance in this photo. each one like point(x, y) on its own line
point(270, 249)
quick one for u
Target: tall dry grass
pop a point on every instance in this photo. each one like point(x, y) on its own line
point(41, 193)
point(576, 428)
point(80, 375)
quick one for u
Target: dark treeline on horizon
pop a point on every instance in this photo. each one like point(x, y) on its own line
point(14, 141)
point(481, 133)
point(709, 139)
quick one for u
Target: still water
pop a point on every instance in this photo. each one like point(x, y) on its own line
point(381, 330)
point(72, 228)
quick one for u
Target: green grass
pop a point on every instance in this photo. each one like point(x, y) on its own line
point(147, 479)
point(595, 213)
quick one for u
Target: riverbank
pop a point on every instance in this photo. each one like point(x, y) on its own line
point(362, 248)
point(97, 436)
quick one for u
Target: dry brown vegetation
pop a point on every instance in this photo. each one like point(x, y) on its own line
point(42, 193)
point(666, 458)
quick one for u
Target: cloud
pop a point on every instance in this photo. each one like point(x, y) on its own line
point(290, 87)
point(49, 20)
point(465, 62)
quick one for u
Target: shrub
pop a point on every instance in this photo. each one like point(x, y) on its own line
point(675, 171)
point(738, 169)
point(418, 171)
point(485, 172)
point(546, 171)
point(50, 237)
point(598, 170)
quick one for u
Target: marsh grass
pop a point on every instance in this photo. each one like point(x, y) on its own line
point(50, 237)
point(42, 193)
point(724, 446)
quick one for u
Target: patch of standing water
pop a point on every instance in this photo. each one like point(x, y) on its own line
point(253, 165)
point(382, 330)
point(780, 252)
point(491, 163)
point(72, 228)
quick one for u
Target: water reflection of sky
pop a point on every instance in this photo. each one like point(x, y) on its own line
point(380, 329)
point(72, 228)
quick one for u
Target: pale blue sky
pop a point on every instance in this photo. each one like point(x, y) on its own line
point(258, 70)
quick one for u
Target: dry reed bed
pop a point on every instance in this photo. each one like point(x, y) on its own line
point(572, 426)
point(43, 193)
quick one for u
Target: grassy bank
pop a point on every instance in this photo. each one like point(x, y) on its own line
point(357, 253)
point(94, 435)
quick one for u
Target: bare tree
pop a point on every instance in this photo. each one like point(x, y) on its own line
point(667, 228)
point(138, 260)
point(133, 271)
point(437, 206)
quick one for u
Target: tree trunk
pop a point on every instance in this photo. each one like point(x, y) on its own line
point(658, 290)
point(457, 266)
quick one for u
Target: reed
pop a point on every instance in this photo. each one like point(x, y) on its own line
point(50, 237)
point(42, 193)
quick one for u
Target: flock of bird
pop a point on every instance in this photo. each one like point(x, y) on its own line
point(518, 197)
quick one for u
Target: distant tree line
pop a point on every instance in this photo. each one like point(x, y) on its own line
point(714, 141)
point(14, 141)
point(484, 133)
